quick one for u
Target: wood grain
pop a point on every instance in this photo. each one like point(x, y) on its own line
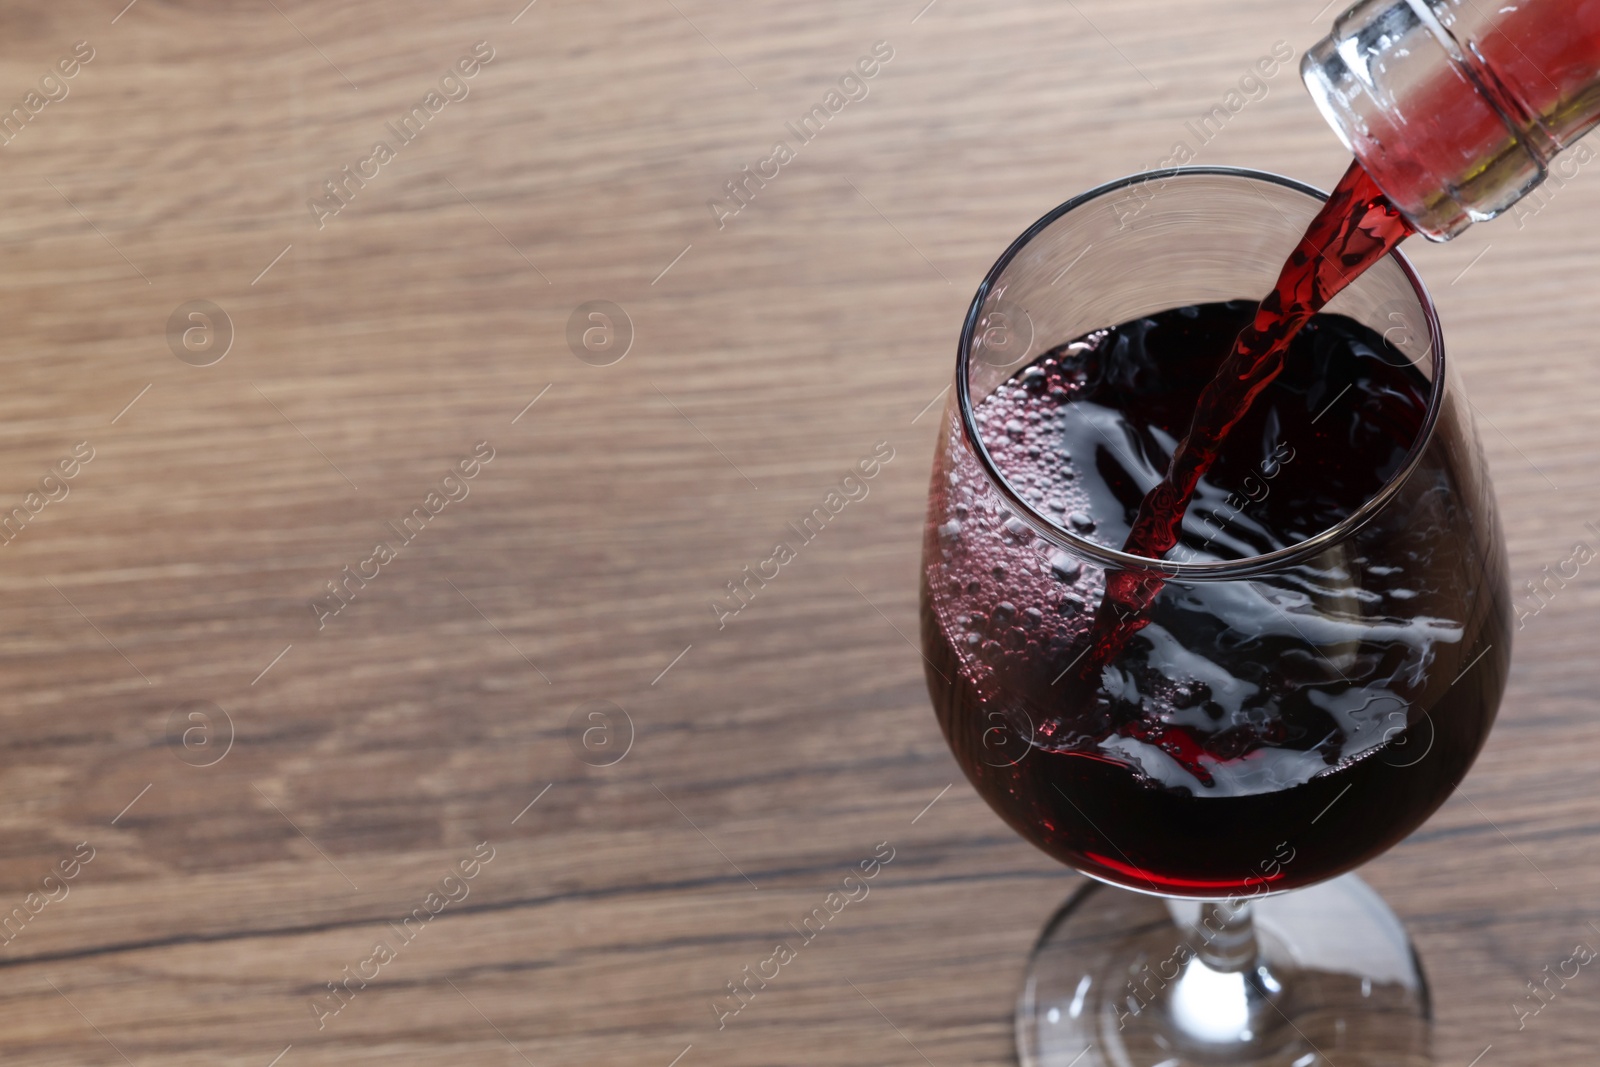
point(370, 757)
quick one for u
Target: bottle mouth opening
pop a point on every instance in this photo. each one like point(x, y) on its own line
point(1363, 78)
point(1336, 91)
point(1218, 570)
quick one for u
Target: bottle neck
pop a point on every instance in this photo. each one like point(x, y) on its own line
point(1457, 107)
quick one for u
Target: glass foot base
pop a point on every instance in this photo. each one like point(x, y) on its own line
point(1117, 980)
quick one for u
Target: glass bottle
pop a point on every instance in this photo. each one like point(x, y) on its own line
point(1457, 107)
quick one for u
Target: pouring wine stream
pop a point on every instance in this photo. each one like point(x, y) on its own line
point(1355, 229)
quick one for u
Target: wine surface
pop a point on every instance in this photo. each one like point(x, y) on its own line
point(1354, 230)
point(1321, 712)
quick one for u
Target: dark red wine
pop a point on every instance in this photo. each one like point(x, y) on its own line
point(1260, 734)
point(1355, 229)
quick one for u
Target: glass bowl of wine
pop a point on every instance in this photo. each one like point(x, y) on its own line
point(1294, 682)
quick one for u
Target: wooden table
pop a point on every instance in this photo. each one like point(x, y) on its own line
point(269, 788)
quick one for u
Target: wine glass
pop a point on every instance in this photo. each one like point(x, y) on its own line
point(1322, 663)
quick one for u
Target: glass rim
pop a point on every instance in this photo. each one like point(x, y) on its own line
point(1247, 567)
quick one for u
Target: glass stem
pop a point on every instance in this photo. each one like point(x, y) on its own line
point(1226, 936)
